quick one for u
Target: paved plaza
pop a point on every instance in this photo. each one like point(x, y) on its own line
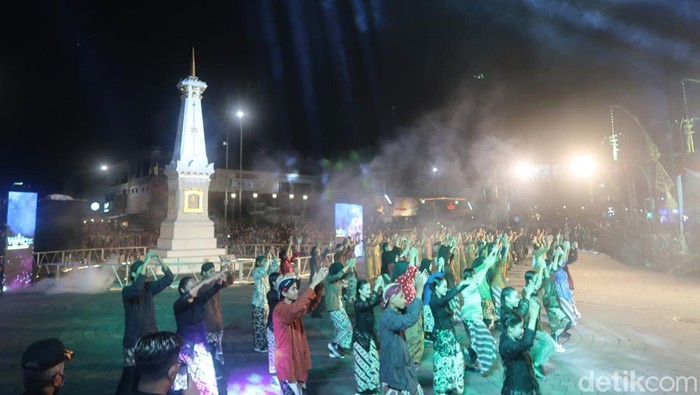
point(635, 321)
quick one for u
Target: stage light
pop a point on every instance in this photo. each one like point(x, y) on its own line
point(104, 167)
point(524, 170)
point(291, 196)
point(94, 206)
point(583, 166)
point(233, 196)
point(387, 199)
point(435, 169)
point(305, 197)
point(274, 196)
point(255, 195)
point(470, 205)
point(240, 114)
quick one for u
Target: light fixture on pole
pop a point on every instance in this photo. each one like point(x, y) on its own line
point(226, 185)
point(240, 114)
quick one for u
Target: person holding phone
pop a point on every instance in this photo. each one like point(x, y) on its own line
point(157, 359)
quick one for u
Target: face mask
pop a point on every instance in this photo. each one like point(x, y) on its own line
point(57, 389)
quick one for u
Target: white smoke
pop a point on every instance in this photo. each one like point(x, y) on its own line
point(89, 279)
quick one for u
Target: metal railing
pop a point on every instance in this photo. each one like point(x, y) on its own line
point(119, 260)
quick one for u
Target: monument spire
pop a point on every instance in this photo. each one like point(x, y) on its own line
point(194, 74)
point(187, 234)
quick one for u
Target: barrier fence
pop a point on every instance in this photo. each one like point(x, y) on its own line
point(241, 258)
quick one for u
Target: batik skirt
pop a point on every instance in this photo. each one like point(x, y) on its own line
point(200, 366)
point(342, 329)
point(214, 340)
point(259, 323)
point(448, 363)
point(428, 319)
point(366, 362)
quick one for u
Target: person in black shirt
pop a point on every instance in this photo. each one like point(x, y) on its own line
point(389, 259)
point(189, 317)
point(139, 315)
point(514, 346)
point(448, 360)
point(364, 339)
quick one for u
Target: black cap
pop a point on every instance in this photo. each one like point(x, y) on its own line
point(45, 354)
point(206, 266)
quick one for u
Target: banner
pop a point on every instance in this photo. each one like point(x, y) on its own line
point(19, 243)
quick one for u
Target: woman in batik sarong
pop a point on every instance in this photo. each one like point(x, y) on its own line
point(189, 317)
point(448, 360)
point(261, 272)
point(364, 339)
point(342, 329)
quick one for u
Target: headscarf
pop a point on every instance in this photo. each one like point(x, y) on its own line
point(390, 291)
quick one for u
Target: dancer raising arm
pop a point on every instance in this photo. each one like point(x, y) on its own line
point(292, 355)
point(514, 346)
point(364, 338)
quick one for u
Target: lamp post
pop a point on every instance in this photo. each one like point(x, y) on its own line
point(226, 186)
point(240, 114)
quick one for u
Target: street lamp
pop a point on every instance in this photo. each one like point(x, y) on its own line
point(226, 185)
point(240, 114)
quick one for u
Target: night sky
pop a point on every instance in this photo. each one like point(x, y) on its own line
point(411, 83)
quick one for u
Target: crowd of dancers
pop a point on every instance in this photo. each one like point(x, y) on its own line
point(425, 286)
point(421, 286)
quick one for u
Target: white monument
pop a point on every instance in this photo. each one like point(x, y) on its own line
point(187, 233)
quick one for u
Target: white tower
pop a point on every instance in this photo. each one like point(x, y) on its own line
point(187, 233)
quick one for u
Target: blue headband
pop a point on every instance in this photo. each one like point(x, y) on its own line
point(286, 284)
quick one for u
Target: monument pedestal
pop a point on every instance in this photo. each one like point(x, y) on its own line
point(186, 240)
